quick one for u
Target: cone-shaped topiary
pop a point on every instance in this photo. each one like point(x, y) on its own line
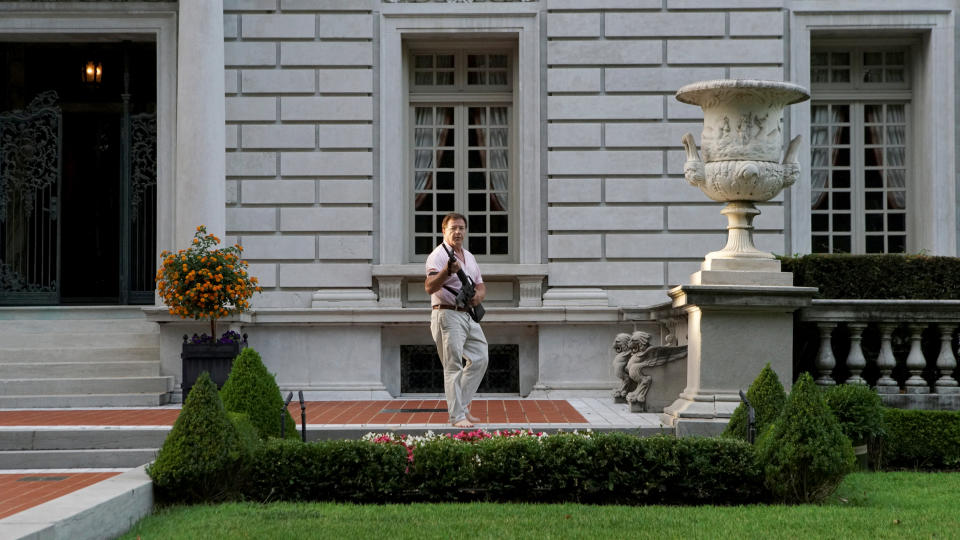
point(767, 396)
point(804, 453)
point(199, 457)
point(253, 391)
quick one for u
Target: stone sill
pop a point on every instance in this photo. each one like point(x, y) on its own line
point(489, 270)
point(413, 315)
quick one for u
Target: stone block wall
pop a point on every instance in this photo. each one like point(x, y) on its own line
point(620, 215)
point(299, 110)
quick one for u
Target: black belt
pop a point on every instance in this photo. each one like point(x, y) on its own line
point(448, 306)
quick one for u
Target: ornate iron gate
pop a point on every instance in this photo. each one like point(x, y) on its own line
point(141, 170)
point(30, 168)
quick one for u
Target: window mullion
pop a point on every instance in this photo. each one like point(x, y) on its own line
point(858, 173)
point(460, 177)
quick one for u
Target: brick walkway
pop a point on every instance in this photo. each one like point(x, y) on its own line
point(386, 412)
point(21, 491)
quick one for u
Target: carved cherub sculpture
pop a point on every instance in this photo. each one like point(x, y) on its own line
point(621, 354)
point(644, 356)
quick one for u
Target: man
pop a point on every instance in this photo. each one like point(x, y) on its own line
point(460, 341)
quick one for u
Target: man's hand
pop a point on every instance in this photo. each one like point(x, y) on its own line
point(453, 266)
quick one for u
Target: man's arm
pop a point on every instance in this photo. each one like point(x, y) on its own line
point(436, 278)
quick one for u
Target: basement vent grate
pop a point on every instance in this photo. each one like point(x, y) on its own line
point(42, 479)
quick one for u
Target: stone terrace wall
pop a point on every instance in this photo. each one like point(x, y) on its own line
point(299, 84)
point(620, 215)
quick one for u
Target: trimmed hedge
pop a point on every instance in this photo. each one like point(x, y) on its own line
point(877, 276)
point(927, 440)
point(604, 468)
point(354, 471)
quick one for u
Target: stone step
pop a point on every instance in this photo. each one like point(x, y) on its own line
point(143, 399)
point(36, 355)
point(75, 459)
point(81, 438)
point(27, 340)
point(52, 326)
point(98, 385)
point(57, 370)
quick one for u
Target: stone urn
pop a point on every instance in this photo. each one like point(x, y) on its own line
point(741, 143)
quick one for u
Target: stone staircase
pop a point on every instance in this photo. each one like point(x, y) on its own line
point(70, 357)
point(72, 447)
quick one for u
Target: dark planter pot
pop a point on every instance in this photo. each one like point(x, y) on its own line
point(214, 358)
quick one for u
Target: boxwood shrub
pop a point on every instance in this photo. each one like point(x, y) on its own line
point(877, 276)
point(603, 468)
point(921, 440)
point(804, 453)
point(767, 396)
point(252, 390)
point(202, 458)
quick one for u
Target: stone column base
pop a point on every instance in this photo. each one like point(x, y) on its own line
point(732, 332)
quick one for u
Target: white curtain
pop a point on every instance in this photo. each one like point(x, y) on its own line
point(499, 178)
point(896, 159)
point(423, 153)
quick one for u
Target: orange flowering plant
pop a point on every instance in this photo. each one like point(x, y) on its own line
point(205, 282)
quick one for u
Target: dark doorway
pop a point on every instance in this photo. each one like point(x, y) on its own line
point(89, 235)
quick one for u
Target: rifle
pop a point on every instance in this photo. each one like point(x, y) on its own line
point(467, 290)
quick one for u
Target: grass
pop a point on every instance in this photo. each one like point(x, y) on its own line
point(867, 505)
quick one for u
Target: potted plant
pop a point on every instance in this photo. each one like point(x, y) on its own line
point(206, 282)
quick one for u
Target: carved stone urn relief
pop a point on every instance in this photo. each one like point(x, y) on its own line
point(741, 142)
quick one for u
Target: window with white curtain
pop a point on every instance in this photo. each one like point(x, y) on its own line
point(461, 110)
point(859, 146)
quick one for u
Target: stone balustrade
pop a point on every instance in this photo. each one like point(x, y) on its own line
point(906, 349)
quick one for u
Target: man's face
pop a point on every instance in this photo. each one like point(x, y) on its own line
point(454, 232)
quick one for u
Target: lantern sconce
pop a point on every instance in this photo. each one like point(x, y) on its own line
point(92, 72)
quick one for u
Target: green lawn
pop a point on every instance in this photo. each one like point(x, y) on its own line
point(867, 505)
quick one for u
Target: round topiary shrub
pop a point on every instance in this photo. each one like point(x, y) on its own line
point(199, 458)
point(252, 390)
point(858, 409)
point(804, 454)
point(767, 396)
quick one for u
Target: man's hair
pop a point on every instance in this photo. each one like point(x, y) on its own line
point(452, 216)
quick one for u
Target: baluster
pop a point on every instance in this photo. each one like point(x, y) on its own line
point(916, 362)
point(946, 363)
point(855, 359)
point(886, 362)
point(825, 360)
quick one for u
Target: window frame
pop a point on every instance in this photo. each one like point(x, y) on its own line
point(930, 33)
point(402, 27)
point(461, 97)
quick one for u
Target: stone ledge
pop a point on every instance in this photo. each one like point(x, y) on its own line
point(106, 509)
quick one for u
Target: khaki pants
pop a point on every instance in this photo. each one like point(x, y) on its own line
point(462, 348)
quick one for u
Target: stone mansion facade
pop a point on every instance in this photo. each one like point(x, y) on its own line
point(328, 137)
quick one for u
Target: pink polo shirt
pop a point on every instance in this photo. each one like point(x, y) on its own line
point(437, 261)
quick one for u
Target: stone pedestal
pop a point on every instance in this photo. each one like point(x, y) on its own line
point(733, 331)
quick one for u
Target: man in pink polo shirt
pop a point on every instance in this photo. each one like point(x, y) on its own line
point(461, 345)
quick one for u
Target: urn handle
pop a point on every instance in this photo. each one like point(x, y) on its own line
point(693, 169)
point(792, 149)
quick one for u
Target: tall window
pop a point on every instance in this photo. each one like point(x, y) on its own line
point(859, 150)
point(461, 140)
